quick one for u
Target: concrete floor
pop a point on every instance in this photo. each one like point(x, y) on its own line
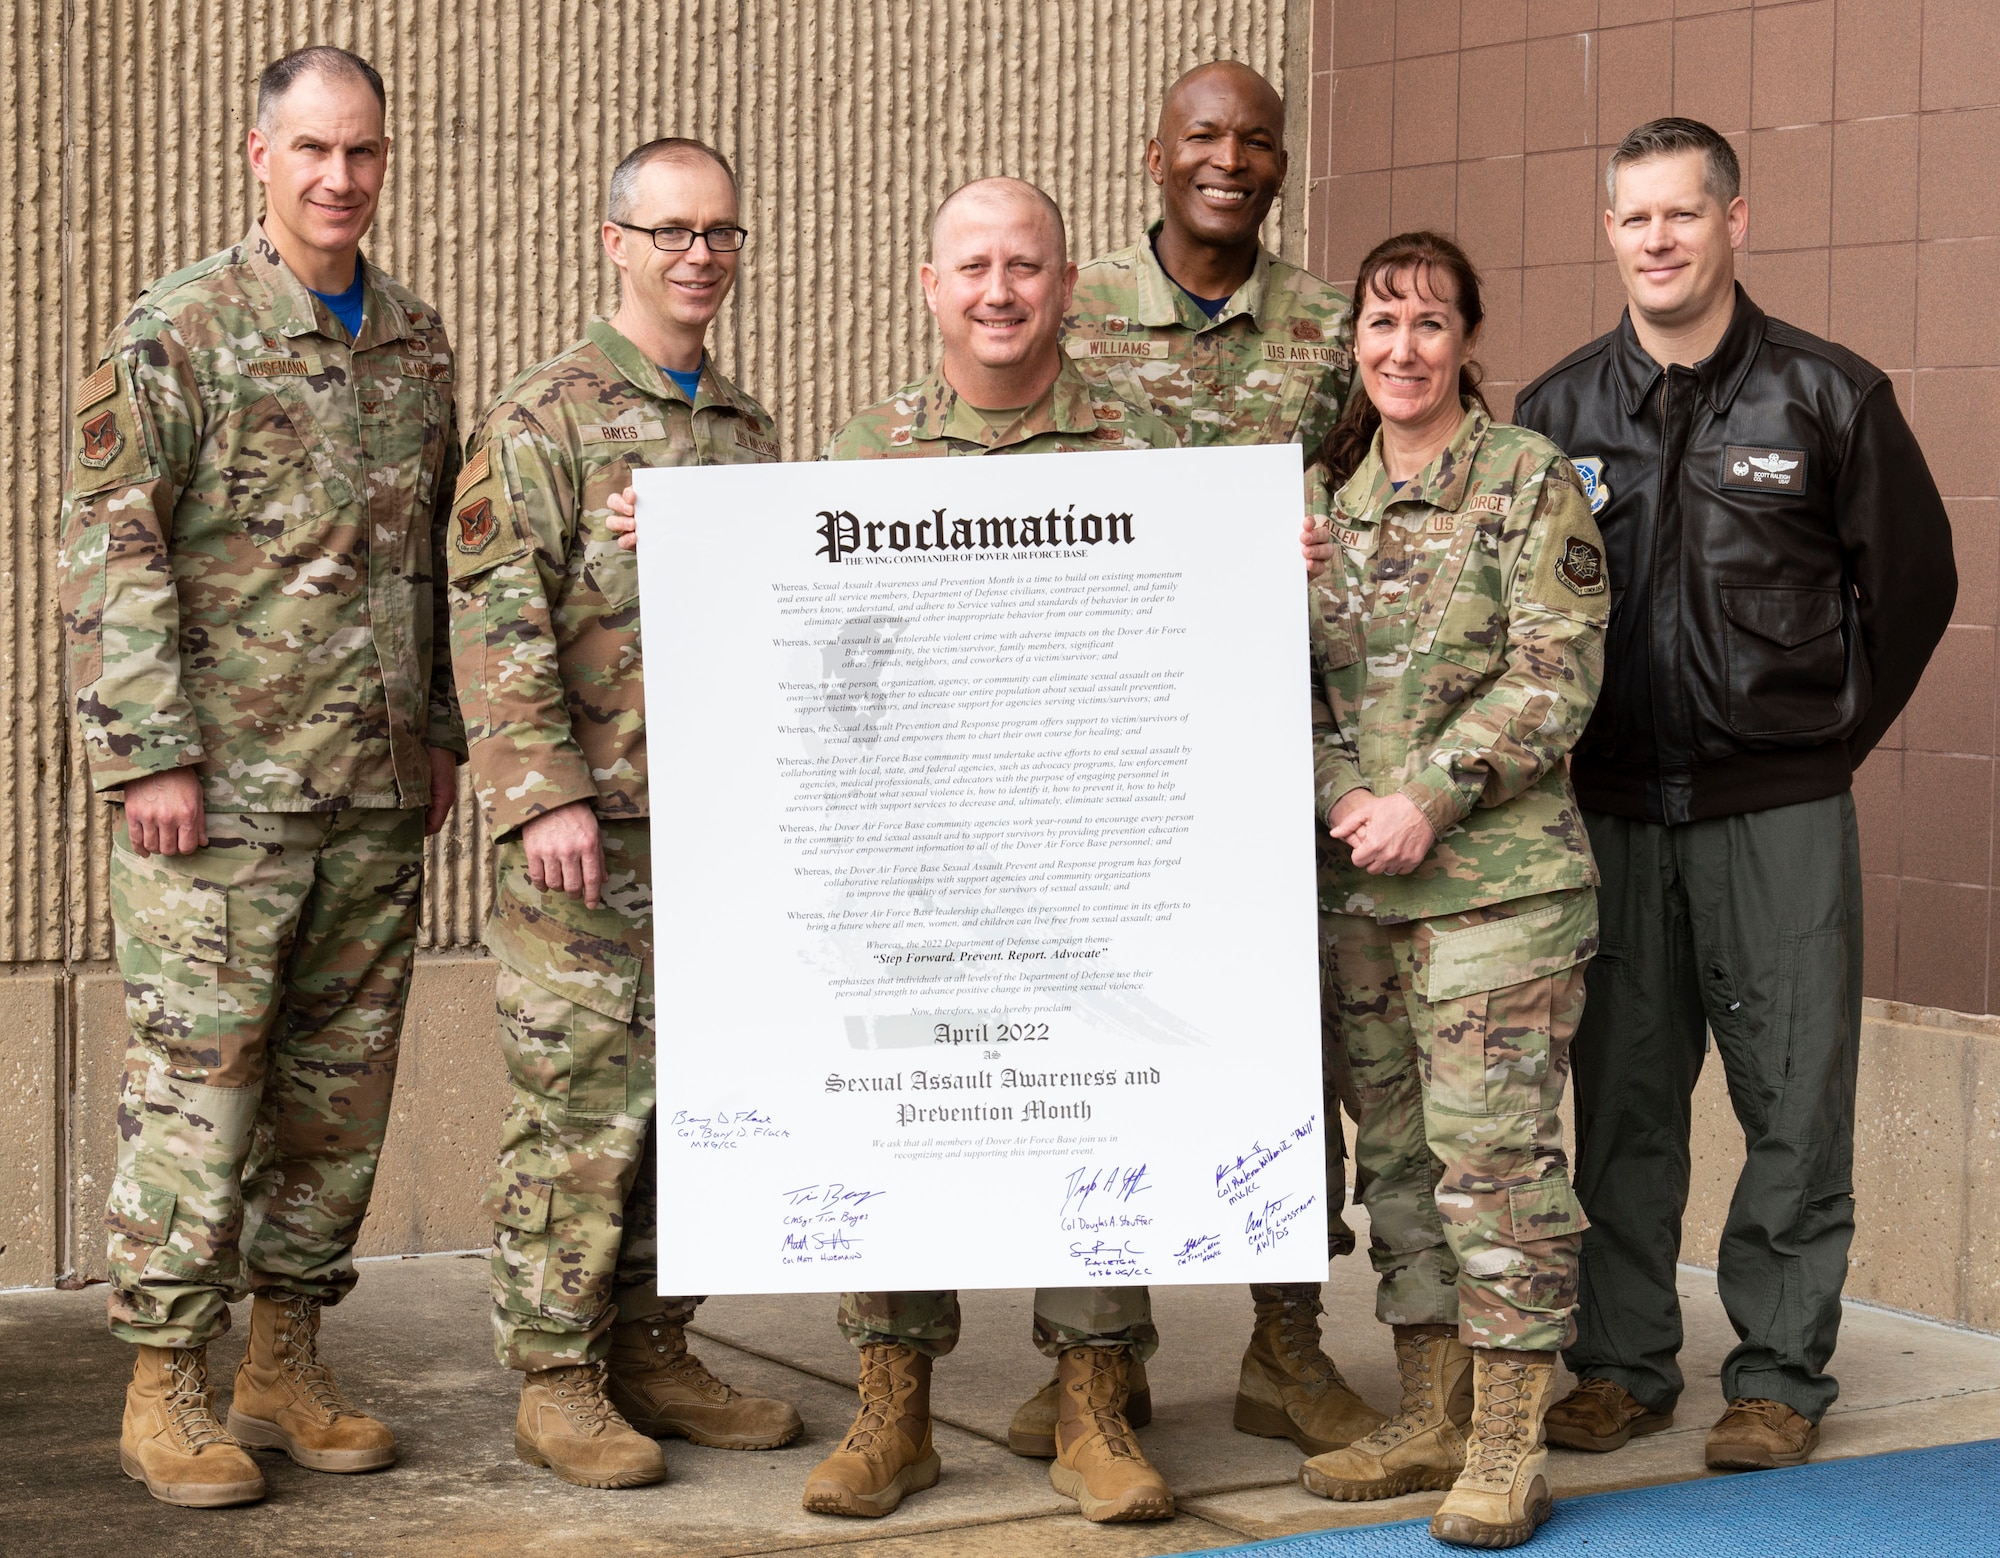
point(412, 1345)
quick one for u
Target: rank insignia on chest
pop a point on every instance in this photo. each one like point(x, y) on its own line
point(476, 525)
point(1590, 470)
point(1581, 566)
point(1105, 413)
point(100, 440)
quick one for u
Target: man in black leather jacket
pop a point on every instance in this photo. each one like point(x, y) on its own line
point(1781, 569)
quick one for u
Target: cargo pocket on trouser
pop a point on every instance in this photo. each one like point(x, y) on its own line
point(172, 938)
point(176, 1207)
point(1519, 1265)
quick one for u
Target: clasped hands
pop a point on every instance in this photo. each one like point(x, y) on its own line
point(1386, 833)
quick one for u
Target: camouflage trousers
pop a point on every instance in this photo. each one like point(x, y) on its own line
point(265, 977)
point(574, 1194)
point(1064, 1317)
point(1336, 1086)
point(1458, 1029)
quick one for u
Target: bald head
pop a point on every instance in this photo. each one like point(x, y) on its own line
point(1221, 81)
point(1000, 197)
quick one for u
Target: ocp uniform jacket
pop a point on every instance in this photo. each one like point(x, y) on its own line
point(1780, 565)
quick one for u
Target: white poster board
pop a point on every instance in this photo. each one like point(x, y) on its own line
point(983, 892)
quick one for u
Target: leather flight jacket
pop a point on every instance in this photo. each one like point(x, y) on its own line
point(1780, 565)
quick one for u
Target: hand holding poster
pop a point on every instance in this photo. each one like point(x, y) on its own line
point(985, 903)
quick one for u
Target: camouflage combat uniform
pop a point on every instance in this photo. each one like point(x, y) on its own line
point(1275, 366)
point(1458, 648)
point(926, 420)
point(545, 634)
point(254, 505)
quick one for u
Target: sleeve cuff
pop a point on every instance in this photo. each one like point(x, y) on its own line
point(116, 760)
point(1336, 777)
point(514, 793)
point(1439, 797)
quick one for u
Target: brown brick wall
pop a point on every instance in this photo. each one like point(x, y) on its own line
point(1870, 137)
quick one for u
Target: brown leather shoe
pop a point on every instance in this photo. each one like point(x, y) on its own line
point(887, 1454)
point(1601, 1414)
point(1503, 1495)
point(286, 1398)
point(567, 1423)
point(1756, 1435)
point(662, 1389)
point(1288, 1388)
point(1423, 1445)
point(1098, 1460)
point(1033, 1430)
point(171, 1440)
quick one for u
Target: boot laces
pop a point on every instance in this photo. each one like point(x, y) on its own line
point(1500, 1436)
point(693, 1373)
point(1298, 1345)
point(579, 1391)
point(877, 1386)
point(188, 1407)
point(1415, 1411)
point(1097, 1393)
point(298, 1354)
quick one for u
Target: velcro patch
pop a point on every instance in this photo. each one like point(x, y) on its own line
point(620, 432)
point(433, 372)
point(475, 469)
point(101, 385)
point(100, 440)
point(1581, 567)
point(1486, 503)
point(767, 447)
point(476, 525)
point(1441, 524)
point(1292, 351)
point(277, 368)
point(1764, 470)
point(1097, 346)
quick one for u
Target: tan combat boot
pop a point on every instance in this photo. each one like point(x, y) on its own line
point(568, 1424)
point(1422, 1446)
point(1098, 1460)
point(286, 1399)
point(662, 1389)
point(1755, 1434)
point(1289, 1388)
point(887, 1453)
point(1033, 1431)
point(1601, 1415)
point(171, 1440)
point(1503, 1493)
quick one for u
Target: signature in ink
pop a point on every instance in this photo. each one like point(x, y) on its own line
point(1111, 1185)
point(1235, 1180)
point(1199, 1250)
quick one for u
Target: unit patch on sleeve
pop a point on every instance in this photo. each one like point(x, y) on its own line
point(476, 525)
point(100, 440)
point(1764, 470)
point(1581, 566)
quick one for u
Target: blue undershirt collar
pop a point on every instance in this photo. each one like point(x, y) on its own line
point(345, 306)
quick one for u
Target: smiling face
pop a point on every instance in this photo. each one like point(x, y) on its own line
point(675, 294)
point(321, 161)
point(1410, 349)
point(1676, 243)
point(998, 282)
point(1219, 156)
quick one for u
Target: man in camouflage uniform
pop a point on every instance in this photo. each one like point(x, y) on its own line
point(545, 635)
point(997, 281)
point(1230, 345)
point(1458, 651)
point(256, 496)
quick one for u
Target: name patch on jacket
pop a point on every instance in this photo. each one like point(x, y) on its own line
point(1291, 351)
point(620, 432)
point(277, 368)
point(1097, 346)
point(1764, 470)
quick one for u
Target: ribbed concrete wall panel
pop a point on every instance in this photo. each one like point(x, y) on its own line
point(847, 119)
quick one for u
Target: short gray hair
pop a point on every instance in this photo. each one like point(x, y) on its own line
point(668, 148)
point(321, 59)
point(1722, 175)
point(1002, 187)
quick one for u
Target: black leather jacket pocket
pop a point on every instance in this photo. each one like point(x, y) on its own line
point(1787, 658)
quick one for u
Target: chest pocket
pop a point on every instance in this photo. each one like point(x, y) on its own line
point(1289, 409)
point(1462, 616)
point(282, 459)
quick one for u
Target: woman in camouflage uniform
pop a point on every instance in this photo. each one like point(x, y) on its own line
point(1458, 646)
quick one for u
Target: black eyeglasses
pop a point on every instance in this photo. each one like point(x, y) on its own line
point(678, 240)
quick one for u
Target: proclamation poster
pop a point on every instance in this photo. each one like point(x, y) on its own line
point(984, 887)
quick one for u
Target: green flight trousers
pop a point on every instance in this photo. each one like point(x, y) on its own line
point(1747, 927)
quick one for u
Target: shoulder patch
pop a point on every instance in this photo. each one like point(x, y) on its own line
point(1590, 472)
point(1581, 566)
point(101, 385)
point(475, 468)
point(100, 440)
point(477, 525)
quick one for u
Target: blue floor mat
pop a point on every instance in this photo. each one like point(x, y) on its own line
point(1931, 1503)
